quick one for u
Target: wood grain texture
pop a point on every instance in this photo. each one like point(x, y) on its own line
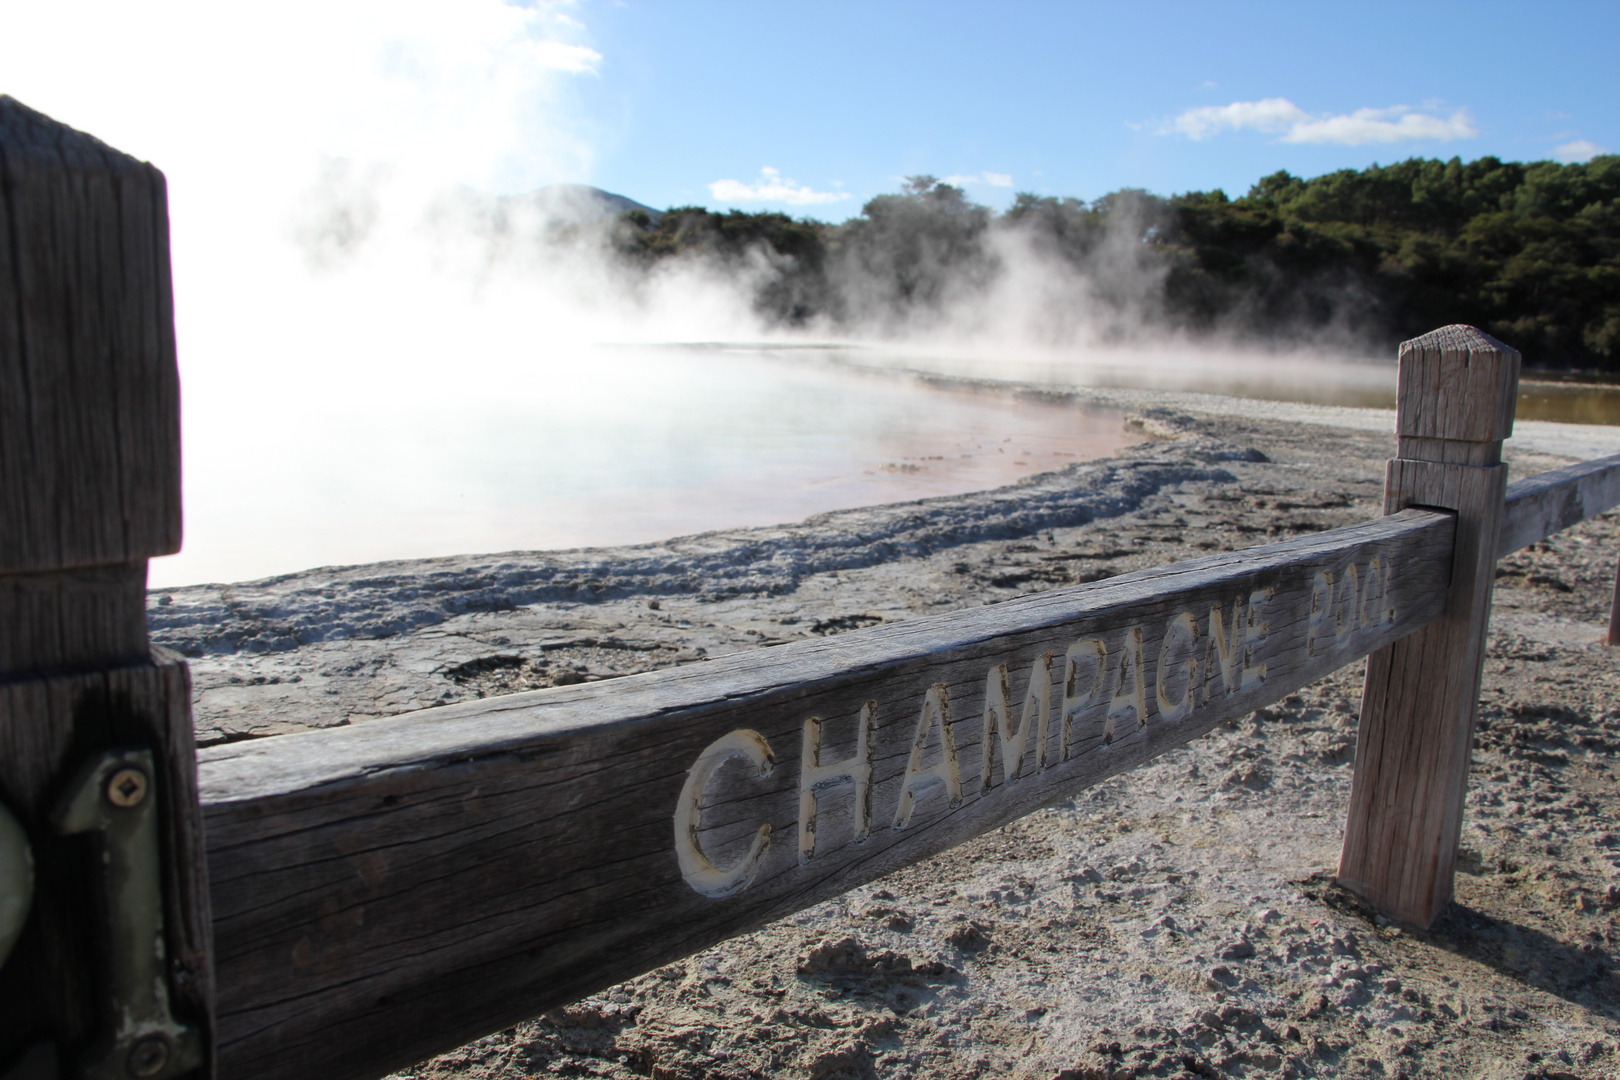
point(1422, 692)
point(1456, 383)
point(392, 889)
point(1551, 502)
point(48, 728)
point(1614, 613)
point(89, 488)
point(68, 620)
point(89, 393)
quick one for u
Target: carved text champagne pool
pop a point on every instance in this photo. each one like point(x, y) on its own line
point(1105, 691)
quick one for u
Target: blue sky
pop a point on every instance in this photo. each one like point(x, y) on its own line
point(816, 107)
point(1077, 98)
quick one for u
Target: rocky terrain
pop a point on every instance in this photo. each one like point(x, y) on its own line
point(1177, 921)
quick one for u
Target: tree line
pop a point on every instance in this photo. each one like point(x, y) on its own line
point(1528, 252)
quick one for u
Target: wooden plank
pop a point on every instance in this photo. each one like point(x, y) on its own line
point(1614, 613)
point(1421, 693)
point(392, 889)
point(1451, 386)
point(89, 488)
point(73, 619)
point(89, 390)
point(1551, 502)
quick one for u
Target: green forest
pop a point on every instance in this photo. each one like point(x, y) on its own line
point(1528, 252)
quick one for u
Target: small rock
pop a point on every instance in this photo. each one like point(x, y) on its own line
point(1250, 776)
point(847, 956)
point(1238, 1016)
point(844, 954)
point(847, 1057)
point(1125, 870)
point(969, 937)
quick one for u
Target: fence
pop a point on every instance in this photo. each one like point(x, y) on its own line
point(341, 903)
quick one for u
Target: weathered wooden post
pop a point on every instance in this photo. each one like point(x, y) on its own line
point(1458, 388)
point(104, 920)
point(1614, 613)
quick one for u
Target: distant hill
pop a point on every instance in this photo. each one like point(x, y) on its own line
point(557, 205)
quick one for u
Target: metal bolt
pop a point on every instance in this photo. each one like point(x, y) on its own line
point(127, 788)
point(149, 1055)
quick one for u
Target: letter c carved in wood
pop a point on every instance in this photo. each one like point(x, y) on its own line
point(696, 867)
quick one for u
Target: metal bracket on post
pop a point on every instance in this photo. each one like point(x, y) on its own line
point(38, 1062)
point(115, 795)
point(16, 881)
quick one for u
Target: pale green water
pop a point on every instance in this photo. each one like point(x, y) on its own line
point(1370, 384)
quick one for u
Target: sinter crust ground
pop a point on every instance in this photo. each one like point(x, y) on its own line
point(1177, 921)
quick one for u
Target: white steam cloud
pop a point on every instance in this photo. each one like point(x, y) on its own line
point(1281, 117)
point(772, 186)
point(327, 298)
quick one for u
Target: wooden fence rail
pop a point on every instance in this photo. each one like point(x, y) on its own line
point(1551, 502)
point(381, 888)
point(363, 897)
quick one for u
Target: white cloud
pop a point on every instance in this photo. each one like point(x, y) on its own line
point(561, 56)
point(1396, 124)
point(772, 187)
point(993, 179)
point(1580, 150)
point(1281, 117)
point(1270, 115)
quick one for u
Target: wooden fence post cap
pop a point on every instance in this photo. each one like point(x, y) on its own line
point(89, 390)
point(1457, 382)
point(30, 134)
